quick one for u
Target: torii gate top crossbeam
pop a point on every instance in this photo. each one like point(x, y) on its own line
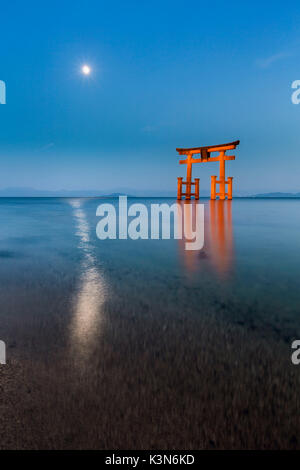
point(208, 149)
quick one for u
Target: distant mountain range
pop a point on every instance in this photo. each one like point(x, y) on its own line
point(31, 192)
point(278, 195)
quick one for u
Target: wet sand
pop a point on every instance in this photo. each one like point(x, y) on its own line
point(185, 383)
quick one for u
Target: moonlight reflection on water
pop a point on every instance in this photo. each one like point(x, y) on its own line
point(91, 293)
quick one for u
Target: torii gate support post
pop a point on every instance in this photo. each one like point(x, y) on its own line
point(197, 192)
point(229, 187)
point(188, 183)
point(213, 188)
point(179, 188)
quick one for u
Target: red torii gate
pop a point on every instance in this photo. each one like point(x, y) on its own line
point(204, 153)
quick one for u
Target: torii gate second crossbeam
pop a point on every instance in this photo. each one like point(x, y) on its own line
point(205, 156)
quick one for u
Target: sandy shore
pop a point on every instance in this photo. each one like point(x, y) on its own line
point(189, 382)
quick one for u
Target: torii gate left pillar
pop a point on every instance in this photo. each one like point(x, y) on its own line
point(188, 183)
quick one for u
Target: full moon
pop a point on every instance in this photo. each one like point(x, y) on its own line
point(86, 70)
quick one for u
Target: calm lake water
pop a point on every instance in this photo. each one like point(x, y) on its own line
point(65, 293)
point(250, 260)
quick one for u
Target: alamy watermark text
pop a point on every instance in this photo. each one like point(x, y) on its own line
point(2, 92)
point(139, 221)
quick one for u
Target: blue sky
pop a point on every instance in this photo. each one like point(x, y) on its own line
point(165, 74)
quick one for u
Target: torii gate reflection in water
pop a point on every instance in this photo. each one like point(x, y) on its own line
point(218, 251)
point(205, 156)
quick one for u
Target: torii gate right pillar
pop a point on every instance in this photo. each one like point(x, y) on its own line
point(222, 180)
